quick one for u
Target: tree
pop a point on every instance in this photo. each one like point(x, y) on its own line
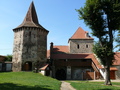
point(8, 58)
point(103, 17)
point(118, 42)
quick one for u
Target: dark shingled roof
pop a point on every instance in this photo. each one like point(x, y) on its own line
point(31, 19)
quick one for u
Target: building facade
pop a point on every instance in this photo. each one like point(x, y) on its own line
point(77, 61)
point(80, 42)
point(5, 66)
point(30, 43)
point(73, 62)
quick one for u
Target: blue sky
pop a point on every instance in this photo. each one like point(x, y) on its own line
point(57, 16)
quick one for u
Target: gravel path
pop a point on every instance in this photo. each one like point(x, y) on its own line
point(66, 86)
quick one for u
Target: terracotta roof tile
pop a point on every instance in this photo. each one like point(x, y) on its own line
point(58, 50)
point(113, 69)
point(62, 49)
point(80, 34)
point(44, 67)
point(117, 59)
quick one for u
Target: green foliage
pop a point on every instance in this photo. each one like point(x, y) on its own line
point(118, 42)
point(8, 58)
point(27, 81)
point(103, 17)
point(83, 85)
point(102, 52)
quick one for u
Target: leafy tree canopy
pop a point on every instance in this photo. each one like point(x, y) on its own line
point(8, 58)
point(103, 17)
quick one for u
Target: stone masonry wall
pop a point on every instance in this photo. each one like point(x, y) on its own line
point(30, 45)
point(81, 46)
point(17, 50)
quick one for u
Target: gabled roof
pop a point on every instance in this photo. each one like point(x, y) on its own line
point(31, 19)
point(80, 34)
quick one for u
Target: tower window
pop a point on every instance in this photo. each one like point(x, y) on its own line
point(78, 46)
point(29, 34)
point(86, 46)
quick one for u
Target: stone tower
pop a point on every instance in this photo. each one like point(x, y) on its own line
point(30, 43)
point(80, 42)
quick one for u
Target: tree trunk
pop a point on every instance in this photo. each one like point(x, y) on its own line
point(107, 74)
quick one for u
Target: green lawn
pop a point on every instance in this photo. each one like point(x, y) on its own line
point(85, 85)
point(36, 81)
point(27, 81)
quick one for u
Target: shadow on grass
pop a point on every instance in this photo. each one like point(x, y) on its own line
point(11, 86)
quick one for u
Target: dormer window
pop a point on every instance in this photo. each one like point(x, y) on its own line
point(87, 35)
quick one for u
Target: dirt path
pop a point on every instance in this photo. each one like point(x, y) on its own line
point(66, 86)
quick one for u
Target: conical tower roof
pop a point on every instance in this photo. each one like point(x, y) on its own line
point(31, 19)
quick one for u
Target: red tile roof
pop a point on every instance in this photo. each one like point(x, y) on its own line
point(44, 67)
point(117, 59)
point(64, 49)
point(113, 69)
point(62, 52)
point(58, 49)
point(80, 34)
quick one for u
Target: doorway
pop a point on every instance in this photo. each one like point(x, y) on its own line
point(28, 66)
point(61, 74)
point(77, 74)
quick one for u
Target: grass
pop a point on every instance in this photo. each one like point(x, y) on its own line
point(36, 81)
point(27, 81)
point(85, 85)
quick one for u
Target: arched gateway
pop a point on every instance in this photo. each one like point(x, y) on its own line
point(61, 74)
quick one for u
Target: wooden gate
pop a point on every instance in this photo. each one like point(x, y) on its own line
point(28, 66)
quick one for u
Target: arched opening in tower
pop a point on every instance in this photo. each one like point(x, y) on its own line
point(27, 66)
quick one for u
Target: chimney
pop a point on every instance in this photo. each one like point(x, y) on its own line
point(51, 49)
